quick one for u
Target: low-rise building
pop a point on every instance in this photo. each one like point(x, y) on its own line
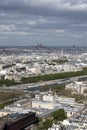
point(77, 87)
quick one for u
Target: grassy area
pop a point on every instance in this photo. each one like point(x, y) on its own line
point(59, 61)
point(2, 105)
point(46, 77)
point(8, 82)
point(8, 95)
point(7, 98)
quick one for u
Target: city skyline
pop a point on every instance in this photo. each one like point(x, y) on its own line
point(50, 22)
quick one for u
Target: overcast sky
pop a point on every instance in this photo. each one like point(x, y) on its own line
point(50, 22)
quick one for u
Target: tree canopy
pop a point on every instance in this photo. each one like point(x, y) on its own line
point(59, 114)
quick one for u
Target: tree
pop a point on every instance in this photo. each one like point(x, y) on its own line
point(47, 123)
point(59, 114)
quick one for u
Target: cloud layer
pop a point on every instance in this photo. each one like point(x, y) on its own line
point(52, 22)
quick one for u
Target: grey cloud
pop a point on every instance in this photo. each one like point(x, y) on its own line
point(40, 7)
point(57, 8)
point(43, 18)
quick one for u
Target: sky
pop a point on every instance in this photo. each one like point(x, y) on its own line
point(50, 22)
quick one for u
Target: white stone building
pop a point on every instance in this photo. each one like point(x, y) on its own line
point(42, 104)
point(77, 87)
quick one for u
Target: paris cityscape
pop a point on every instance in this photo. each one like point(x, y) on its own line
point(43, 80)
point(43, 64)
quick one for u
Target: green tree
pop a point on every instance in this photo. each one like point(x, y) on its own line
point(59, 114)
point(47, 123)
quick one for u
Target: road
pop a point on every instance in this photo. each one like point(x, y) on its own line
point(22, 87)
